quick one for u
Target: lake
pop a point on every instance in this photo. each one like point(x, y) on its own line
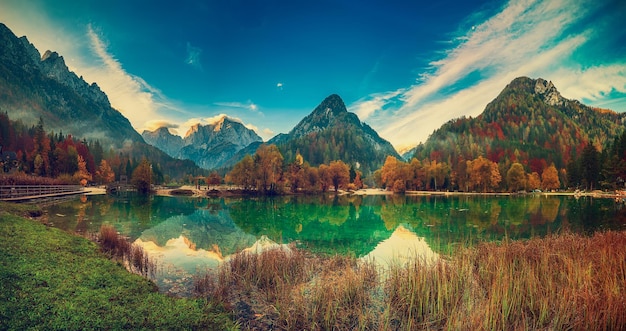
point(187, 236)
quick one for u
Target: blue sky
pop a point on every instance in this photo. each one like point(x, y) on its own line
point(405, 67)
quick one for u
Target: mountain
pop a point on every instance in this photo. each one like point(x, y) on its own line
point(162, 139)
point(330, 133)
point(34, 86)
point(528, 122)
point(209, 146)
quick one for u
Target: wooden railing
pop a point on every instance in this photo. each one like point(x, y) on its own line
point(26, 192)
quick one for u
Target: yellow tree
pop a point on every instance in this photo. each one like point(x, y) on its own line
point(104, 174)
point(268, 163)
point(516, 177)
point(82, 174)
point(339, 174)
point(393, 174)
point(550, 178)
point(483, 174)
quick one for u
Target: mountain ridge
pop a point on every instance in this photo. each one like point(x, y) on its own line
point(208, 145)
point(35, 86)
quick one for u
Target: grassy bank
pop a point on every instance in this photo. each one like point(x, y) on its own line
point(53, 280)
point(563, 282)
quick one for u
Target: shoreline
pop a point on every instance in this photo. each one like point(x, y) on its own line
point(226, 190)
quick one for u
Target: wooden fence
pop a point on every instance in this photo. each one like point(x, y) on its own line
point(29, 192)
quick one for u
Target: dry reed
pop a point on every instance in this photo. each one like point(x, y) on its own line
point(133, 256)
point(565, 281)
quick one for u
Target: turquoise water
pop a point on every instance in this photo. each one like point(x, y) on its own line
point(189, 235)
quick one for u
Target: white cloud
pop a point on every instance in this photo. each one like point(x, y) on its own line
point(129, 94)
point(155, 124)
point(526, 38)
point(591, 84)
point(364, 107)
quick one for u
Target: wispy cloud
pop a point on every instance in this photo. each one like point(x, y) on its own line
point(249, 105)
point(129, 94)
point(525, 38)
point(193, 56)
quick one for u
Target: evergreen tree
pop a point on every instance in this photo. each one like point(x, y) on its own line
point(590, 166)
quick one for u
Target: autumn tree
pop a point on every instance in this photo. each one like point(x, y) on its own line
point(358, 183)
point(296, 174)
point(437, 173)
point(142, 177)
point(416, 175)
point(339, 174)
point(324, 177)
point(516, 177)
point(533, 182)
point(82, 174)
point(213, 179)
point(550, 178)
point(483, 174)
point(394, 174)
point(243, 173)
point(268, 163)
point(311, 178)
point(104, 174)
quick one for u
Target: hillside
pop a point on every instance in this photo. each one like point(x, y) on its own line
point(34, 86)
point(528, 122)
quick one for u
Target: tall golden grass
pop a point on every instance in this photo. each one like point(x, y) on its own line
point(566, 281)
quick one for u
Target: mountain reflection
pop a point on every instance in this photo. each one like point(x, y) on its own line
point(189, 234)
point(400, 248)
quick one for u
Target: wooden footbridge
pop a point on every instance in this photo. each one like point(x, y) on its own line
point(26, 193)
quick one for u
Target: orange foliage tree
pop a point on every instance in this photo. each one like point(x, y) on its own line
point(550, 178)
point(339, 174)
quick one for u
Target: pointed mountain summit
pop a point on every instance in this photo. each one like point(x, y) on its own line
point(528, 122)
point(323, 116)
point(331, 133)
point(209, 146)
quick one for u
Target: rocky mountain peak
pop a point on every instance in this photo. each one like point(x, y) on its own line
point(209, 146)
point(549, 93)
point(332, 105)
point(31, 50)
point(323, 116)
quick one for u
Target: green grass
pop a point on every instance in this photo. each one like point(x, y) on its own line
point(51, 280)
